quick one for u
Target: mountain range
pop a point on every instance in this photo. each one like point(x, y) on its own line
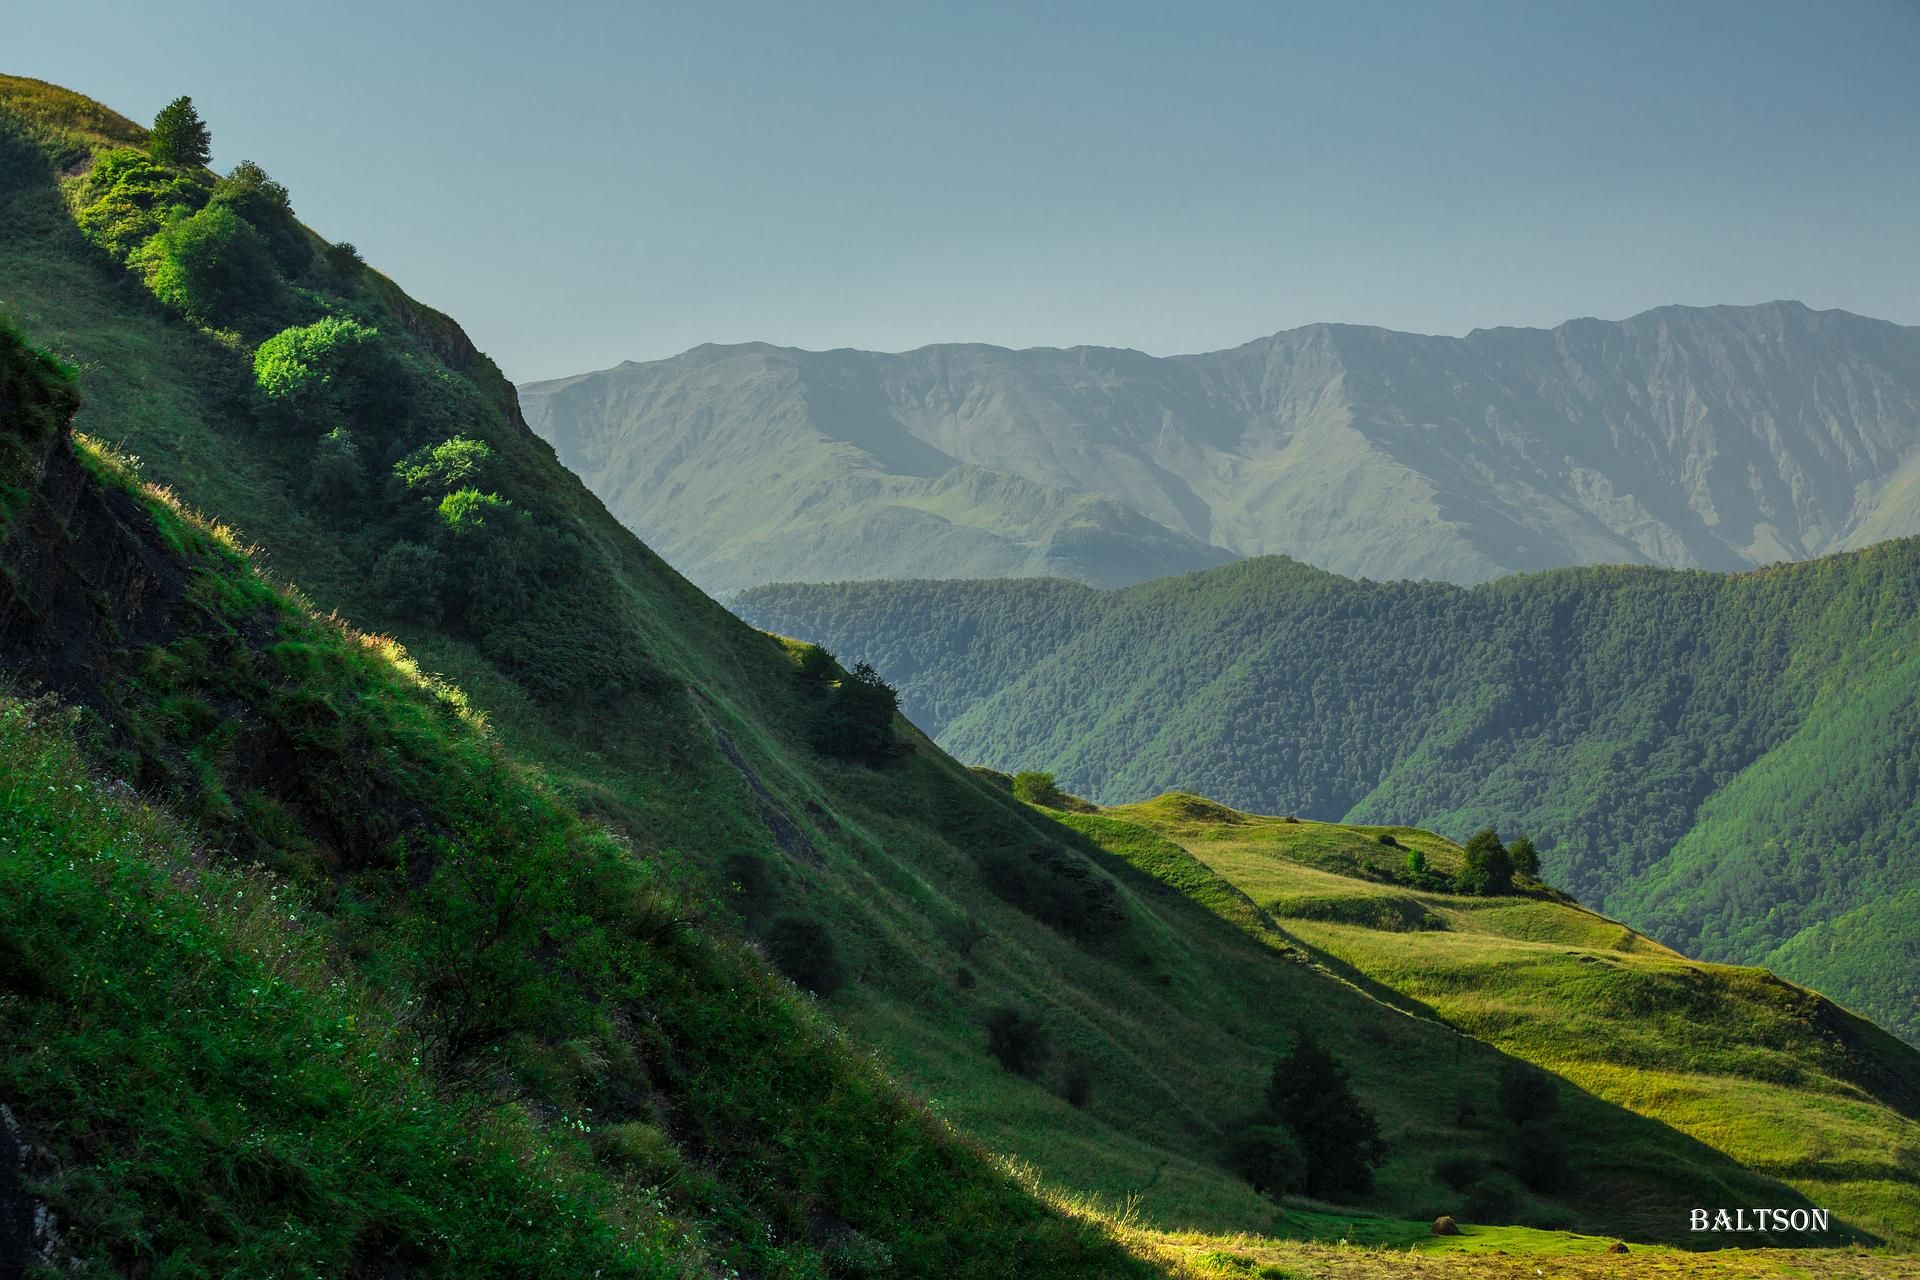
point(1693, 437)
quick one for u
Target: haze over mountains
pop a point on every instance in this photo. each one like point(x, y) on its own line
point(1716, 437)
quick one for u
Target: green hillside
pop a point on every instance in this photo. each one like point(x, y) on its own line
point(348, 951)
point(1726, 761)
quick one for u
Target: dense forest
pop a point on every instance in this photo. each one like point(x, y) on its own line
point(1725, 760)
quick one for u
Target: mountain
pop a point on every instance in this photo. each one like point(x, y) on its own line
point(1725, 761)
point(1716, 437)
point(546, 916)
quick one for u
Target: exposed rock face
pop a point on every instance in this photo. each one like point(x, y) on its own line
point(1718, 437)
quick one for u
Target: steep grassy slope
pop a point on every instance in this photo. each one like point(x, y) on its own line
point(1705, 1049)
point(1726, 761)
point(377, 1000)
point(651, 791)
point(1715, 437)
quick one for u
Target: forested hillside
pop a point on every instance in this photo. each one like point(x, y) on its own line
point(1704, 437)
point(1725, 761)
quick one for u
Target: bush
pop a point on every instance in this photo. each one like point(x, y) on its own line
point(268, 209)
point(1490, 1200)
point(442, 468)
point(1035, 787)
point(1269, 1159)
point(344, 258)
point(336, 478)
point(1387, 838)
point(180, 136)
point(1489, 868)
point(409, 581)
point(815, 667)
point(804, 951)
point(1017, 1041)
point(212, 268)
point(857, 723)
point(1077, 1087)
point(126, 198)
point(1339, 1137)
point(332, 367)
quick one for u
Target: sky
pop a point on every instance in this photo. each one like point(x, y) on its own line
point(581, 183)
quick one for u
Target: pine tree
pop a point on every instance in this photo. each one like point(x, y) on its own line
point(179, 136)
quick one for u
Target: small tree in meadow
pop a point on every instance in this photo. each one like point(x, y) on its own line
point(1036, 787)
point(180, 136)
point(1338, 1137)
point(1489, 867)
point(1526, 858)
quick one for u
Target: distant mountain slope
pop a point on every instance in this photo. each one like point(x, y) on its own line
point(1715, 437)
point(1730, 762)
point(737, 482)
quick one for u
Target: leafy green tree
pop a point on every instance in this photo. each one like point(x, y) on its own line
point(1269, 1159)
point(1040, 788)
point(1338, 1136)
point(1416, 865)
point(179, 136)
point(1527, 1095)
point(1489, 868)
point(211, 267)
point(1018, 1041)
point(267, 208)
point(1526, 858)
point(858, 721)
point(125, 198)
point(803, 950)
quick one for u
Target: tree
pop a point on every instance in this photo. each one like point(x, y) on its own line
point(1489, 868)
point(1416, 864)
point(857, 723)
point(1018, 1040)
point(1526, 1095)
point(212, 267)
point(1038, 788)
point(179, 136)
point(1338, 1137)
point(1526, 858)
point(337, 479)
point(1269, 1159)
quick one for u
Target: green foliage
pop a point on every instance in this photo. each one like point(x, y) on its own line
point(125, 198)
point(1018, 1041)
point(802, 949)
point(1269, 1159)
point(1338, 1137)
point(455, 464)
point(179, 137)
point(1416, 864)
point(857, 720)
point(1036, 787)
point(268, 209)
point(338, 477)
point(1489, 868)
point(1525, 858)
point(1526, 1095)
point(408, 581)
point(332, 367)
point(213, 268)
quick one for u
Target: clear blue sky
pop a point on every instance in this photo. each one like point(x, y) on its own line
point(585, 182)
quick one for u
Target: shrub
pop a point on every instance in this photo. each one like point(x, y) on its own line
point(1038, 788)
point(1489, 868)
point(268, 209)
point(804, 951)
point(1416, 864)
point(126, 198)
point(409, 580)
point(1491, 1200)
point(212, 268)
point(1339, 1137)
point(857, 723)
point(180, 136)
point(344, 258)
point(1077, 1087)
point(1017, 1041)
point(1269, 1159)
point(815, 667)
point(458, 463)
point(336, 478)
point(1387, 838)
point(331, 367)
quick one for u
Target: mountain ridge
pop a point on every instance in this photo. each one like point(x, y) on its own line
point(1714, 437)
